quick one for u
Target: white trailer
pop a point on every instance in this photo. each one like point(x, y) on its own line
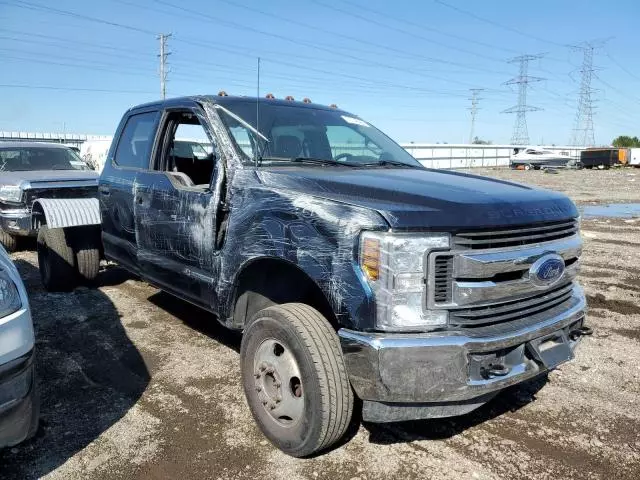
point(634, 157)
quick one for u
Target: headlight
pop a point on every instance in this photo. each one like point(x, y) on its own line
point(395, 265)
point(10, 193)
point(9, 297)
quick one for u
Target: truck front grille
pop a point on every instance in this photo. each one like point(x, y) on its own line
point(31, 194)
point(516, 236)
point(486, 279)
point(512, 310)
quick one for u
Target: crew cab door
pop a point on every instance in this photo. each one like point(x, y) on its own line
point(131, 153)
point(176, 209)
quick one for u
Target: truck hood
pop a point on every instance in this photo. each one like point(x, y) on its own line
point(411, 199)
point(35, 176)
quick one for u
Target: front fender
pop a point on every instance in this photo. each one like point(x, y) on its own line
point(67, 212)
point(318, 235)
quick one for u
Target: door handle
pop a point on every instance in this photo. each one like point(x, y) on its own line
point(104, 190)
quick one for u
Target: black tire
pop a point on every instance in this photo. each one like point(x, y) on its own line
point(323, 386)
point(9, 242)
point(87, 250)
point(56, 260)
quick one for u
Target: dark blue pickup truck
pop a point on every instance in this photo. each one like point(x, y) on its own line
point(351, 269)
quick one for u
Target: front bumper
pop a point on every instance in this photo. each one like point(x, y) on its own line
point(442, 368)
point(17, 222)
point(19, 402)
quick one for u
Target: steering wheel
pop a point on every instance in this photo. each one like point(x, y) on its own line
point(346, 156)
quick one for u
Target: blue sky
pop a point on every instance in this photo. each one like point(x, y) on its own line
point(406, 66)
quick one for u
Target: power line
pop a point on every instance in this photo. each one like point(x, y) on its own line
point(520, 133)
point(496, 24)
point(474, 109)
point(163, 55)
point(386, 25)
point(67, 13)
point(622, 67)
point(69, 89)
point(423, 26)
point(221, 21)
point(202, 16)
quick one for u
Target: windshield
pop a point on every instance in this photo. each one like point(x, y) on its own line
point(296, 133)
point(39, 158)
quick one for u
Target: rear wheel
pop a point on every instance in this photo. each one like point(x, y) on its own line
point(9, 242)
point(295, 379)
point(56, 260)
point(528, 167)
point(87, 250)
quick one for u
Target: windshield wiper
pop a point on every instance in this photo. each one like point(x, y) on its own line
point(316, 160)
point(323, 161)
point(388, 163)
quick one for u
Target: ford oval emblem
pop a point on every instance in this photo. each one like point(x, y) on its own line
point(547, 270)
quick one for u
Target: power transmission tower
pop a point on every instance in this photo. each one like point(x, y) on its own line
point(163, 63)
point(520, 134)
point(583, 133)
point(474, 109)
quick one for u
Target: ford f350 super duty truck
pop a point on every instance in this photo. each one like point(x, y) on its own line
point(350, 268)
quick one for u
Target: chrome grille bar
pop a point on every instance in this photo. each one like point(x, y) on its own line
point(479, 316)
point(516, 236)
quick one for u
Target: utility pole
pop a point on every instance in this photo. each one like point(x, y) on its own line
point(474, 109)
point(520, 134)
point(583, 133)
point(163, 37)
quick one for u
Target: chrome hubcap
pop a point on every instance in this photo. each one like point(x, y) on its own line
point(278, 383)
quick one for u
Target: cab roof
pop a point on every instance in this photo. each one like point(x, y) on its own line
point(228, 101)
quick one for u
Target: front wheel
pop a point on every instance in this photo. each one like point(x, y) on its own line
point(295, 379)
point(56, 260)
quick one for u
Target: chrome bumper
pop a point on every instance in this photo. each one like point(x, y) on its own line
point(452, 366)
point(17, 222)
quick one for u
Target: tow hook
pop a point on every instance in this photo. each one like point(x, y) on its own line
point(580, 332)
point(494, 371)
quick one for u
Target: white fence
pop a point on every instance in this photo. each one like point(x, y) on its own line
point(68, 138)
point(469, 156)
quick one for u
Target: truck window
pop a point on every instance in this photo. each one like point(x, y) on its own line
point(189, 155)
point(135, 141)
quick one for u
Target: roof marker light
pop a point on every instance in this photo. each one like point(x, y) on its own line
point(222, 93)
point(306, 100)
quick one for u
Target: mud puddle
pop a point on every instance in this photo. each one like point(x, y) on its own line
point(614, 210)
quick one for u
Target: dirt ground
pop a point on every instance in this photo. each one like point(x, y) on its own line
point(137, 384)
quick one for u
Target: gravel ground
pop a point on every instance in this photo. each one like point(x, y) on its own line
point(137, 384)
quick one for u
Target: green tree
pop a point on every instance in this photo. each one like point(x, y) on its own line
point(479, 141)
point(625, 141)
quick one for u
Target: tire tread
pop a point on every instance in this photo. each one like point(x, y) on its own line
point(323, 345)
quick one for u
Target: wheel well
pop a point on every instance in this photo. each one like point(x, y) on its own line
point(38, 217)
point(266, 282)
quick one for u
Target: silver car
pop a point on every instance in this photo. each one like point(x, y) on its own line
point(19, 404)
